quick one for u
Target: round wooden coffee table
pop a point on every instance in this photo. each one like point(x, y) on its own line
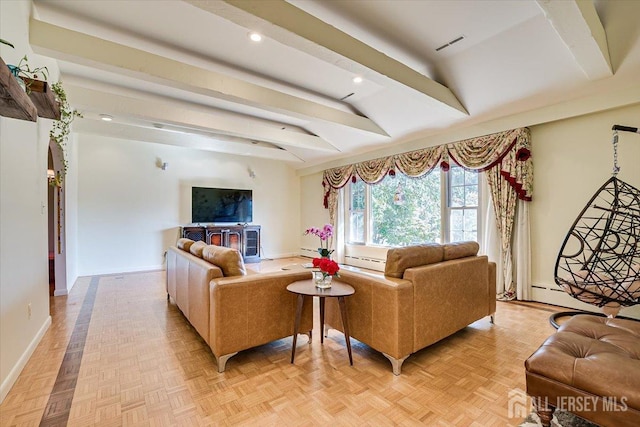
point(306, 288)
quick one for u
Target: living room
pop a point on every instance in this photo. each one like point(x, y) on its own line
point(123, 211)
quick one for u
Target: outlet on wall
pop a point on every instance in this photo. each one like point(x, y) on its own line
point(29, 310)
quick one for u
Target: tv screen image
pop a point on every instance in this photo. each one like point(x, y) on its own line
point(221, 205)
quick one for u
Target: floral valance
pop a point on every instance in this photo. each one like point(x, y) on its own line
point(510, 150)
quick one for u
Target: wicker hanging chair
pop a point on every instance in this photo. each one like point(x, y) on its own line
point(599, 261)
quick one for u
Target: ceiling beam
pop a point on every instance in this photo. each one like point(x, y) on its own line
point(198, 142)
point(578, 25)
point(166, 112)
point(80, 48)
point(317, 38)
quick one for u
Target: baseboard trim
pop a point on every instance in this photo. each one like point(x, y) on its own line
point(11, 379)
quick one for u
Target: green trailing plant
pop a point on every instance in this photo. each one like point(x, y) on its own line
point(62, 129)
point(23, 69)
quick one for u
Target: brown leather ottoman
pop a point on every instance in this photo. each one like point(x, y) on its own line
point(591, 368)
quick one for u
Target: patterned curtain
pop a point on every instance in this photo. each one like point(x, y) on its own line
point(504, 200)
point(373, 171)
point(420, 162)
point(504, 156)
point(333, 180)
point(484, 152)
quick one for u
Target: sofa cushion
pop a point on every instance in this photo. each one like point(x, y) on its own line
point(460, 250)
point(184, 244)
point(229, 260)
point(399, 259)
point(197, 247)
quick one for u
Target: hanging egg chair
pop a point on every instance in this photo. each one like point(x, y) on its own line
point(599, 261)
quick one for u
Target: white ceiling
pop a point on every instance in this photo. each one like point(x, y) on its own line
point(185, 72)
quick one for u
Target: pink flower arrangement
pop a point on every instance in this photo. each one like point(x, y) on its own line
point(324, 233)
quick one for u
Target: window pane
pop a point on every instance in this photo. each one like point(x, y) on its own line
point(406, 211)
point(471, 195)
point(457, 197)
point(456, 220)
point(456, 175)
point(470, 235)
point(357, 195)
point(470, 178)
point(356, 227)
point(470, 219)
point(457, 236)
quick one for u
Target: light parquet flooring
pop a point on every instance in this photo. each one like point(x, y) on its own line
point(143, 364)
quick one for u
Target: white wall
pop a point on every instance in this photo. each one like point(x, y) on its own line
point(129, 209)
point(23, 216)
point(71, 215)
point(572, 159)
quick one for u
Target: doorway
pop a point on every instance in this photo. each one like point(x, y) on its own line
point(51, 219)
point(57, 258)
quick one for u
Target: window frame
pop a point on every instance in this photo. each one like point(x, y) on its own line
point(445, 211)
point(447, 208)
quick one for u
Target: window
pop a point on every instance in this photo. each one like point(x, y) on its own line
point(356, 212)
point(401, 211)
point(462, 204)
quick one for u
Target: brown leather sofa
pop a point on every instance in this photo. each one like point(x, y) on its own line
point(589, 367)
point(428, 292)
point(230, 310)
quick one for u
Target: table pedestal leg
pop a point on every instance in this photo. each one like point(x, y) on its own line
point(345, 326)
point(296, 326)
point(321, 320)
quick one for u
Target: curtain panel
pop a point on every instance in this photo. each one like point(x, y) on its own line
point(505, 156)
point(510, 150)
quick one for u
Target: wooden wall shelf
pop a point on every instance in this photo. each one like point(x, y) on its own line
point(43, 98)
point(15, 103)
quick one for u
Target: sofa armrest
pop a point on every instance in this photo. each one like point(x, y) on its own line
point(492, 287)
point(247, 311)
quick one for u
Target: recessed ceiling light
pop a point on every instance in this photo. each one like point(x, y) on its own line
point(255, 37)
point(357, 79)
point(106, 117)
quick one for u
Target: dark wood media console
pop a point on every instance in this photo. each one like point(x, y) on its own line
point(245, 238)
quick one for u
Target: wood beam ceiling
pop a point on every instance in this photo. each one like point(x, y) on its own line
point(578, 25)
point(79, 48)
point(296, 28)
point(155, 110)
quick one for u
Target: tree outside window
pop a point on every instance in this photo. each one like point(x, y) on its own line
point(401, 211)
point(406, 211)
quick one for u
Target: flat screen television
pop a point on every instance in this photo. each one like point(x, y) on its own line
point(221, 205)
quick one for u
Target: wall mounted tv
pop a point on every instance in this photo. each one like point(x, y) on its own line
point(221, 205)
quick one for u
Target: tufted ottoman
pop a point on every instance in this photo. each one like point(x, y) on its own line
point(589, 367)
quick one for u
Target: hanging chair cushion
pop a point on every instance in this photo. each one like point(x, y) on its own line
point(582, 286)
